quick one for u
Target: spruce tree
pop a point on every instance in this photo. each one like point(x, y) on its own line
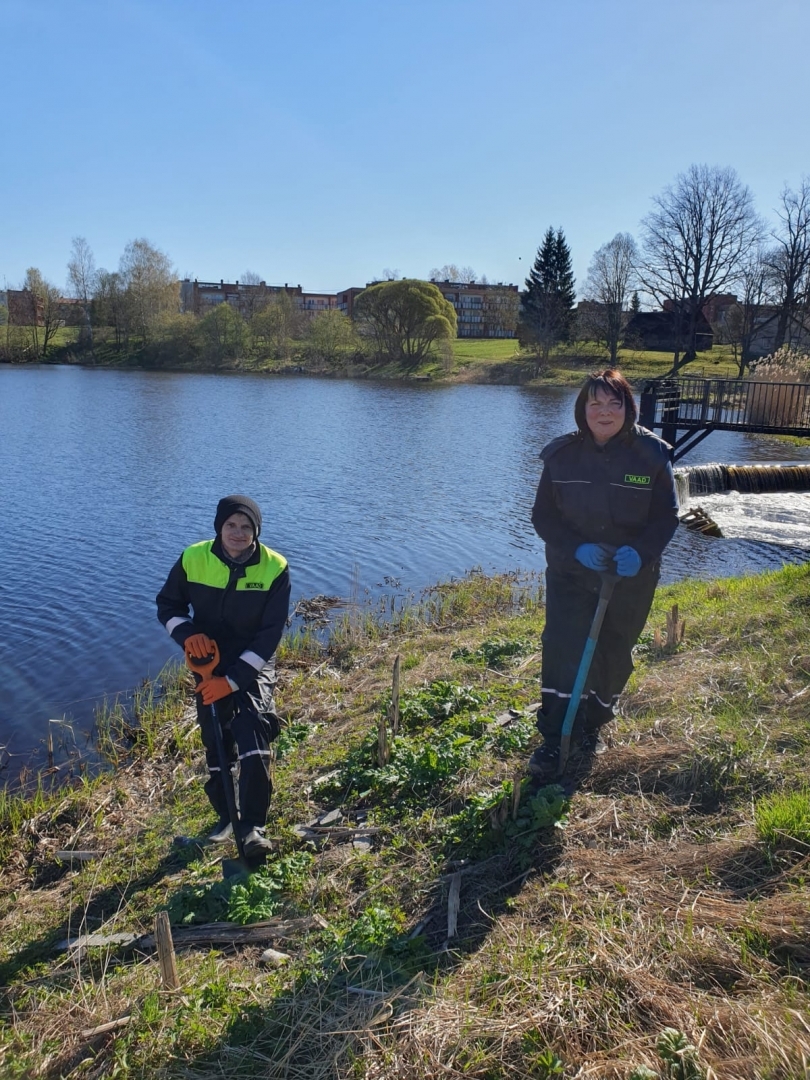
point(548, 302)
point(564, 282)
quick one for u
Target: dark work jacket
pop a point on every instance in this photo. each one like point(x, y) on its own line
point(242, 606)
point(620, 493)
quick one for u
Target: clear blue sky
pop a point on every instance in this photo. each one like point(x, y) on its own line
point(322, 142)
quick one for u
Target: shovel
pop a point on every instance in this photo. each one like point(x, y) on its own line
point(230, 867)
point(605, 593)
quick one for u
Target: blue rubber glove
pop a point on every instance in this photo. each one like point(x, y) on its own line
point(593, 556)
point(628, 561)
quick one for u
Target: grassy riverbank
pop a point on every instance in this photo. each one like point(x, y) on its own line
point(462, 360)
point(657, 919)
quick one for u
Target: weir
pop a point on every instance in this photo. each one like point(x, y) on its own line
point(751, 479)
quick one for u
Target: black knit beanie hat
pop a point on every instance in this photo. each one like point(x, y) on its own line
point(238, 504)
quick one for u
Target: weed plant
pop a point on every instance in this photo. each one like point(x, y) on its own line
point(486, 826)
point(495, 653)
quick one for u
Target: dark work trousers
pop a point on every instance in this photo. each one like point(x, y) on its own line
point(249, 726)
point(571, 599)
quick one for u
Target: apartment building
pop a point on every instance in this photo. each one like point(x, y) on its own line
point(345, 300)
point(312, 303)
point(483, 311)
point(199, 297)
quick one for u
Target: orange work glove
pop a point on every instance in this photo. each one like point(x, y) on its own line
point(214, 689)
point(199, 646)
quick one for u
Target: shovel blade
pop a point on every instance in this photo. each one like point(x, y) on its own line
point(232, 868)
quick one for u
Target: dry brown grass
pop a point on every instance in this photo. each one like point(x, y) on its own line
point(656, 906)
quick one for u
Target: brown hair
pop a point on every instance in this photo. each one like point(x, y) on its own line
point(613, 383)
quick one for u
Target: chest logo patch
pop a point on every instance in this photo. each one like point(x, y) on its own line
point(253, 585)
point(639, 481)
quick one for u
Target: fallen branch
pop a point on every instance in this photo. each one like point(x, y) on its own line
point(204, 934)
point(102, 1029)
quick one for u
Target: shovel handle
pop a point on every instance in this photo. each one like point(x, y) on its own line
point(203, 666)
point(605, 593)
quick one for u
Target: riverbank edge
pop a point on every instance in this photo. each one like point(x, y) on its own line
point(709, 731)
point(498, 373)
point(566, 367)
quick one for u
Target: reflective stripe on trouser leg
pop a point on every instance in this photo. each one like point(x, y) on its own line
point(571, 599)
point(253, 728)
point(213, 786)
point(570, 606)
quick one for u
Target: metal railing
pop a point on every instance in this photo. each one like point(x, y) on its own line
point(727, 404)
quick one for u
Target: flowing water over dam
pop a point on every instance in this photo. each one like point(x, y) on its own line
point(769, 503)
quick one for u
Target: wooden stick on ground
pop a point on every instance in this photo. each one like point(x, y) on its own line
point(78, 856)
point(517, 791)
point(394, 713)
point(102, 1029)
point(453, 904)
point(383, 746)
point(165, 951)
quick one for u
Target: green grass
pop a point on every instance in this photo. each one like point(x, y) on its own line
point(654, 922)
point(783, 820)
point(569, 363)
point(489, 350)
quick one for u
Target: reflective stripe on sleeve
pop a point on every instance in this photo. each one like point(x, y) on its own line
point(172, 624)
point(253, 659)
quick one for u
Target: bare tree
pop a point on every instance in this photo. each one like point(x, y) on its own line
point(611, 276)
point(81, 270)
point(738, 324)
point(278, 324)
point(693, 243)
point(46, 310)
point(255, 296)
point(109, 304)
point(82, 280)
point(789, 263)
point(501, 309)
point(151, 286)
point(463, 275)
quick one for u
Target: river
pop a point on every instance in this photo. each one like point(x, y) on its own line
point(105, 476)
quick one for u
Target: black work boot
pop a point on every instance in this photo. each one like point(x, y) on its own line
point(544, 762)
point(221, 832)
point(255, 843)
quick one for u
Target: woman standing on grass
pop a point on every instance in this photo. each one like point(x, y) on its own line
point(606, 502)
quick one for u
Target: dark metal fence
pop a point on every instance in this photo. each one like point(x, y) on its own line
point(728, 404)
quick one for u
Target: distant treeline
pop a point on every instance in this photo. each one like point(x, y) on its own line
point(703, 253)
